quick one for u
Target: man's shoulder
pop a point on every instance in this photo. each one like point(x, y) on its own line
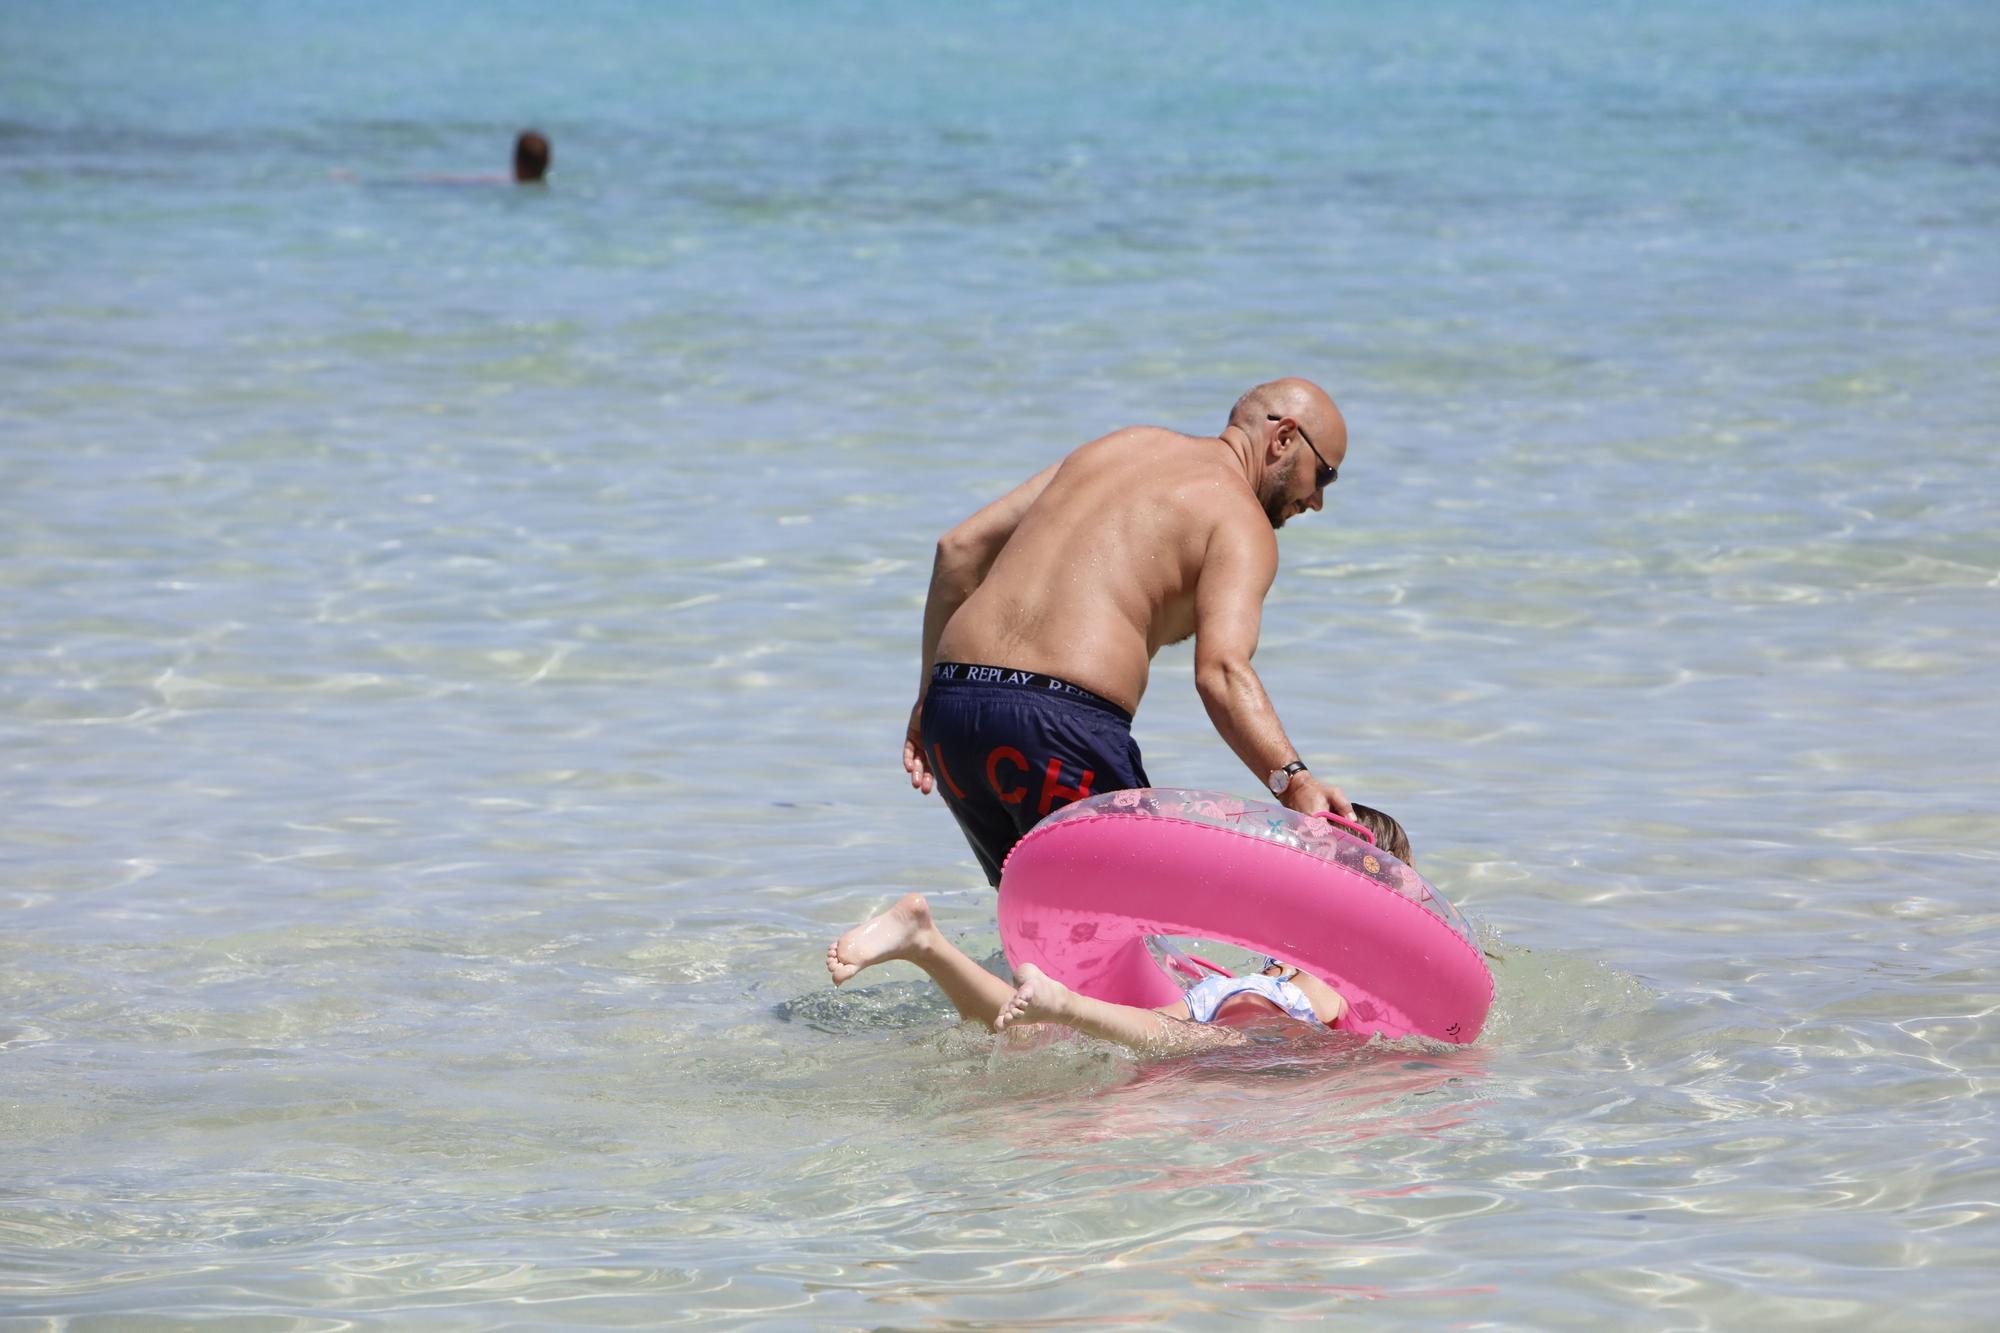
point(1156, 451)
point(1129, 438)
point(1193, 484)
point(1196, 474)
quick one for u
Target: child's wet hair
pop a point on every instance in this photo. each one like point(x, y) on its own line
point(1389, 834)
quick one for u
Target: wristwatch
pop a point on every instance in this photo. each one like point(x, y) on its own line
point(1281, 778)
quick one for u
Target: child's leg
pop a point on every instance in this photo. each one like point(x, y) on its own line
point(907, 934)
point(1040, 998)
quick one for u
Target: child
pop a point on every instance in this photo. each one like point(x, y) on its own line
point(1194, 1023)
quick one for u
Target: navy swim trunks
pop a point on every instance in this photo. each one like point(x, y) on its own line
point(1009, 746)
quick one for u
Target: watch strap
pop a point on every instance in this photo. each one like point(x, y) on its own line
point(1281, 779)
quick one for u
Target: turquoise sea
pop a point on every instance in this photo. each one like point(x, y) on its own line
point(455, 642)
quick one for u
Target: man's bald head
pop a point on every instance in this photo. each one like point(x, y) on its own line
point(1302, 401)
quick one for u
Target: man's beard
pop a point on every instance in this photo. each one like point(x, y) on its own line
point(1276, 488)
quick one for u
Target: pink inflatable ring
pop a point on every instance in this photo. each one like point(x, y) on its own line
point(1082, 891)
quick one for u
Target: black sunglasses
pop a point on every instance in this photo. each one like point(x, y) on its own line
point(1326, 473)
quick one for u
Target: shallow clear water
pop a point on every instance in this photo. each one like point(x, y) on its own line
point(457, 642)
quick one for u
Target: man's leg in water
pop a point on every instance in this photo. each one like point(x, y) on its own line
point(906, 933)
point(1040, 998)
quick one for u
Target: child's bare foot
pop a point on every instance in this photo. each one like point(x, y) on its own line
point(1038, 998)
point(890, 934)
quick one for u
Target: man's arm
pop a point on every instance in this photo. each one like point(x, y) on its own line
point(964, 556)
point(1228, 611)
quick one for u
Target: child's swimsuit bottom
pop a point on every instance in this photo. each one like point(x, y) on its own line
point(1009, 746)
point(1207, 995)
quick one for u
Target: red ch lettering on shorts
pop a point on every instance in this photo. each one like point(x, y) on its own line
point(1014, 757)
point(1052, 787)
point(937, 759)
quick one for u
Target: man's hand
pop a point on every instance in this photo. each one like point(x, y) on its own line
point(914, 763)
point(1309, 796)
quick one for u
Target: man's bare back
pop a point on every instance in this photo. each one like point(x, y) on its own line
point(1136, 540)
point(1103, 568)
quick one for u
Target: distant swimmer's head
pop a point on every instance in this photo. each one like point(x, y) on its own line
point(531, 156)
point(1301, 438)
point(1389, 834)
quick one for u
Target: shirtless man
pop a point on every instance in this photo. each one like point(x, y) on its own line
point(1046, 607)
